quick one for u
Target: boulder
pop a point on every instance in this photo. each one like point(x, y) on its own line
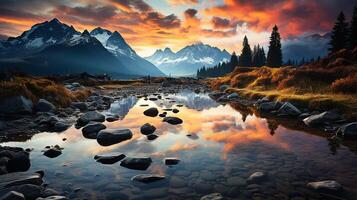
point(171, 161)
point(16, 105)
point(44, 106)
point(12, 195)
point(60, 126)
point(321, 118)
point(329, 185)
point(348, 130)
point(112, 118)
point(113, 136)
point(147, 129)
point(30, 191)
point(288, 109)
point(152, 136)
point(223, 87)
point(90, 116)
point(19, 161)
point(108, 160)
point(80, 105)
point(212, 196)
point(53, 152)
point(90, 131)
point(267, 106)
point(136, 163)
point(233, 95)
point(263, 100)
point(175, 110)
point(173, 120)
point(257, 177)
point(151, 112)
point(147, 178)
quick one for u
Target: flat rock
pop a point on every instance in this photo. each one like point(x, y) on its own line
point(173, 120)
point(171, 161)
point(16, 105)
point(90, 131)
point(109, 137)
point(288, 109)
point(232, 95)
point(151, 112)
point(13, 195)
point(108, 160)
point(257, 177)
point(212, 196)
point(53, 152)
point(56, 197)
point(147, 129)
point(30, 191)
point(319, 119)
point(147, 178)
point(90, 116)
point(44, 106)
point(136, 163)
point(328, 185)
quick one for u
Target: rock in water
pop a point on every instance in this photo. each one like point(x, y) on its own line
point(175, 110)
point(267, 106)
point(90, 116)
point(289, 109)
point(318, 119)
point(213, 196)
point(108, 160)
point(147, 178)
point(44, 106)
point(147, 129)
point(16, 105)
point(53, 152)
point(151, 112)
point(136, 163)
point(257, 177)
point(60, 126)
point(328, 185)
point(152, 136)
point(349, 130)
point(80, 105)
point(223, 87)
point(12, 195)
point(90, 131)
point(112, 136)
point(173, 120)
point(171, 161)
point(232, 96)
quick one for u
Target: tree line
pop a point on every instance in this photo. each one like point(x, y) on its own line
point(343, 35)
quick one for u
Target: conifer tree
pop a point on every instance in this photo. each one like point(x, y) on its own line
point(275, 56)
point(234, 61)
point(339, 36)
point(245, 58)
point(353, 32)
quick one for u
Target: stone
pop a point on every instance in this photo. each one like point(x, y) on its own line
point(267, 107)
point(16, 105)
point(162, 115)
point(147, 129)
point(44, 106)
point(348, 130)
point(90, 116)
point(152, 136)
point(328, 185)
point(112, 118)
point(233, 95)
point(90, 131)
point(60, 126)
point(151, 112)
point(56, 197)
point(136, 163)
point(223, 87)
point(12, 195)
point(19, 161)
point(108, 160)
point(147, 178)
point(80, 105)
point(321, 118)
point(175, 110)
point(35, 179)
point(53, 152)
point(173, 120)
point(30, 191)
point(113, 136)
point(212, 196)
point(171, 161)
point(289, 110)
point(257, 177)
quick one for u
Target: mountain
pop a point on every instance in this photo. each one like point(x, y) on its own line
point(186, 61)
point(310, 46)
point(53, 47)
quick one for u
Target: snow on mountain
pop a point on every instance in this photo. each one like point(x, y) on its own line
point(187, 60)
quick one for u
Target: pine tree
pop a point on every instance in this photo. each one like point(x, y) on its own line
point(353, 32)
point(245, 58)
point(339, 36)
point(234, 60)
point(275, 56)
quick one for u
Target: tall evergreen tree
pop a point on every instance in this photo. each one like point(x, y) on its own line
point(339, 36)
point(275, 56)
point(234, 61)
point(353, 32)
point(245, 58)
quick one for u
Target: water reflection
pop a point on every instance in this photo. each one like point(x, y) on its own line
point(219, 147)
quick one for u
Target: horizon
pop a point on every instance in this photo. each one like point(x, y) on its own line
point(148, 26)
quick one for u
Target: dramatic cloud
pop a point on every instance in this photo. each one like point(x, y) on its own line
point(170, 21)
point(189, 13)
point(220, 23)
point(132, 5)
point(182, 2)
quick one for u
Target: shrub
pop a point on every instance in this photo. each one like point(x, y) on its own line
point(346, 85)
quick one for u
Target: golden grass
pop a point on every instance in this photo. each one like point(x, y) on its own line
point(36, 88)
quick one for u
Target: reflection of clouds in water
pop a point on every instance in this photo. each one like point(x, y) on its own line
point(121, 107)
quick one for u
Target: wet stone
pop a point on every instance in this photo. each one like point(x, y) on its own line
point(109, 137)
point(147, 129)
point(53, 152)
point(212, 196)
point(108, 160)
point(152, 136)
point(13, 195)
point(148, 178)
point(173, 120)
point(328, 185)
point(257, 177)
point(90, 131)
point(171, 161)
point(136, 163)
point(151, 112)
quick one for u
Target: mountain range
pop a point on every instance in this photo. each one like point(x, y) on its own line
point(188, 60)
point(53, 47)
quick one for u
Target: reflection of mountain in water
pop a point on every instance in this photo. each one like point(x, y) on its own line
point(121, 107)
point(194, 101)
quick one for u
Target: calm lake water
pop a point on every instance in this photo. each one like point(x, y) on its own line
point(218, 147)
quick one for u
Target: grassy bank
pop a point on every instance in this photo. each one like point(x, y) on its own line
point(35, 88)
point(327, 84)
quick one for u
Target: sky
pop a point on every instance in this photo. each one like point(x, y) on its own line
point(148, 25)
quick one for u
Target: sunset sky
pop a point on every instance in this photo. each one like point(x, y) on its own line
point(151, 24)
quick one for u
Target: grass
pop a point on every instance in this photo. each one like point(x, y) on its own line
point(35, 88)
